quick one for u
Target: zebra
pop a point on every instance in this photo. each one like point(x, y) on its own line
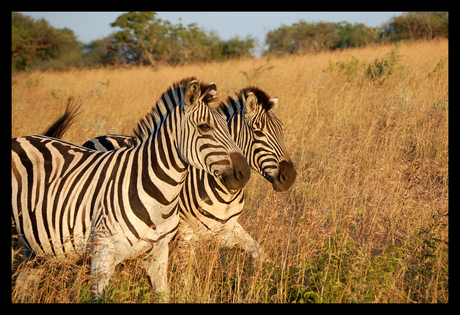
point(206, 210)
point(124, 203)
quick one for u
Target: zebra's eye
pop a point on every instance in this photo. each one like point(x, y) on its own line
point(204, 127)
point(258, 133)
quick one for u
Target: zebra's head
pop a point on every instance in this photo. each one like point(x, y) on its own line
point(204, 141)
point(261, 139)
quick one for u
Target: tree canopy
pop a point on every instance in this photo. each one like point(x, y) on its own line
point(145, 39)
point(35, 43)
point(304, 37)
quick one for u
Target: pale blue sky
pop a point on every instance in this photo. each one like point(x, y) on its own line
point(93, 25)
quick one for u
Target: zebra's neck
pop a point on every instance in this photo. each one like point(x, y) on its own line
point(152, 175)
point(158, 169)
point(234, 114)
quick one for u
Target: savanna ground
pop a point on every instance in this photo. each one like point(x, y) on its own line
point(366, 220)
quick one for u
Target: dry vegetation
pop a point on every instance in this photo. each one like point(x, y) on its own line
point(366, 220)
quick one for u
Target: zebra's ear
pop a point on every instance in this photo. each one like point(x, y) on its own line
point(212, 88)
point(192, 94)
point(251, 103)
point(275, 102)
point(210, 96)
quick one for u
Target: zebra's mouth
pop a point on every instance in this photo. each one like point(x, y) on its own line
point(270, 179)
point(235, 175)
point(229, 184)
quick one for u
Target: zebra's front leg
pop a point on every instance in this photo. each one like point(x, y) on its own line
point(156, 266)
point(185, 250)
point(238, 236)
point(102, 267)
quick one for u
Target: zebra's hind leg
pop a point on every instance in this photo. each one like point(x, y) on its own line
point(156, 266)
point(185, 250)
point(102, 268)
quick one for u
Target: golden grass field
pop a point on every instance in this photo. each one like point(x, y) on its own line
point(366, 220)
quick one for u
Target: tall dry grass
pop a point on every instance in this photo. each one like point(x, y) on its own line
point(366, 220)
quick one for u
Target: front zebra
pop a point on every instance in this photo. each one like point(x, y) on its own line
point(206, 208)
point(124, 203)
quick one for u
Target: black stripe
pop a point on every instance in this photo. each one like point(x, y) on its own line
point(170, 213)
point(90, 144)
point(120, 198)
point(193, 202)
point(99, 183)
point(149, 187)
point(159, 172)
point(200, 187)
point(212, 217)
point(173, 230)
point(136, 204)
point(215, 188)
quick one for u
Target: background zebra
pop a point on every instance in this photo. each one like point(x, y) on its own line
point(206, 210)
point(123, 203)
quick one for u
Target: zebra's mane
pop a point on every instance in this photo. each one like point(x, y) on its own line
point(262, 97)
point(234, 105)
point(170, 99)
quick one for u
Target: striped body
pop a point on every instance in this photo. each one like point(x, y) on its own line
point(123, 203)
point(206, 208)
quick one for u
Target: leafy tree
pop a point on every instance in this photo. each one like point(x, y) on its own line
point(146, 40)
point(319, 36)
point(417, 25)
point(235, 48)
point(280, 40)
point(302, 37)
point(36, 44)
point(103, 52)
point(188, 44)
point(356, 35)
point(140, 32)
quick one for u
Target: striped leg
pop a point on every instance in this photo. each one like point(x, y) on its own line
point(102, 266)
point(156, 266)
point(185, 249)
point(238, 236)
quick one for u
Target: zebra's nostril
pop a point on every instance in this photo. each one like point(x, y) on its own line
point(283, 178)
point(287, 175)
point(241, 170)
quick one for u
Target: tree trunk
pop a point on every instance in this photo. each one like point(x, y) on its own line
point(147, 52)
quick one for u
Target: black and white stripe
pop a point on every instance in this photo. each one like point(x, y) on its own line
point(122, 203)
point(207, 208)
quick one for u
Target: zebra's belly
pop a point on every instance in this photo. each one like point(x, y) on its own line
point(207, 228)
point(148, 242)
point(66, 250)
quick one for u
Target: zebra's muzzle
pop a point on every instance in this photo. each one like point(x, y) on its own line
point(235, 176)
point(285, 178)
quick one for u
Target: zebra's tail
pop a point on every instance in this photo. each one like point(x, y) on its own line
point(64, 122)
